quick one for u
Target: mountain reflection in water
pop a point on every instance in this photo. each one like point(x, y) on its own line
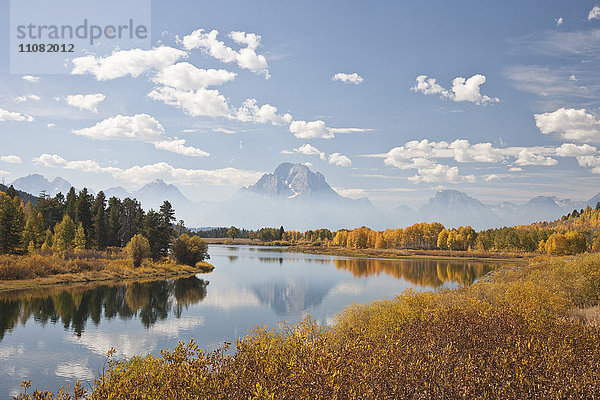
point(75, 305)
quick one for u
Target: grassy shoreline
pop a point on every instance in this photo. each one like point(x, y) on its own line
point(382, 253)
point(32, 271)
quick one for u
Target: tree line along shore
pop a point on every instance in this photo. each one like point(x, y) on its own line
point(81, 238)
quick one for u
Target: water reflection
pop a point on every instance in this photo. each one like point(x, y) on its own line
point(428, 273)
point(75, 306)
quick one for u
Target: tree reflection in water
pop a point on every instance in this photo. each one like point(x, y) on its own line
point(76, 305)
point(430, 273)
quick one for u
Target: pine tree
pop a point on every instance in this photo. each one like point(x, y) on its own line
point(70, 204)
point(100, 234)
point(83, 212)
point(130, 220)
point(12, 223)
point(114, 215)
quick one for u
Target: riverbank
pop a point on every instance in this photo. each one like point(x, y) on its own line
point(38, 270)
point(331, 250)
point(522, 332)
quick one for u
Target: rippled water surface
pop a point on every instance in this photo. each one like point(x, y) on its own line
point(57, 335)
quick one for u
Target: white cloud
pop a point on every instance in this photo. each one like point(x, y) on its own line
point(310, 130)
point(126, 62)
point(200, 102)
point(573, 78)
point(348, 78)
point(146, 173)
point(14, 116)
point(246, 57)
point(528, 157)
point(573, 150)
point(594, 13)
point(351, 193)
point(515, 169)
point(462, 89)
point(339, 160)
point(30, 78)
point(559, 21)
point(50, 125)
point(86, 101)
point(186, 76)
point(592, 162)
point(21, 99)
point(250, 112)
point(307, 149)
point(492, 177)
point(178, 146)
point(349, 130)
point(140, 127)
point(11, 159)
point(479, 152)
point(571, 124)
point(428, 171)
point(223, 130)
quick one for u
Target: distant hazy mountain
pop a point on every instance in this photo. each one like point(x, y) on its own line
point(454, 208)
point(295, 197)
point(36, 184)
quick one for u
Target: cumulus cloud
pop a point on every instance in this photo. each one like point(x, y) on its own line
point(11, 159)
point(186, 76)
point(348, 78)
point(310, 130)
point(428, 171)
point(14, 116)
point(140, 127)
point(592, 162)
point(87, 102)
point(570, 124)
point(195, 103)
point(339, 160)
point(146, 173)
point(246, 57)
point(250, 112)
point(479, 152)
point(462, 89)
point(126, 62)
point(528, 157)
point(573, 150)
point(307, 149)
point(21, 99)
point(31, 78)
point(594, 13)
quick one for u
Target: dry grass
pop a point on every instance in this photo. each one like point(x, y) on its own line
point(19, 272)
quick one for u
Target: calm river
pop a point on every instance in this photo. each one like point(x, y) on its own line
point(57, 335)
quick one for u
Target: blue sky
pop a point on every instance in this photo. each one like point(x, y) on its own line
point(498, 99)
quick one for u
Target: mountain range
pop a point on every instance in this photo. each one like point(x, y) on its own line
point(300, 199)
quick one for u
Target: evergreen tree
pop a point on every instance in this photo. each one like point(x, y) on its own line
point(12, 223)
point(130, 220)
point(83, 212)
point(100, 233)
point(52, 209)
point(114, 215)
point(70, 204)
point(153, 231)
point(12, 192)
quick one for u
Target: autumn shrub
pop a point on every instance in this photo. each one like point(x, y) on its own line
point(137, 249)
point(189, 250)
